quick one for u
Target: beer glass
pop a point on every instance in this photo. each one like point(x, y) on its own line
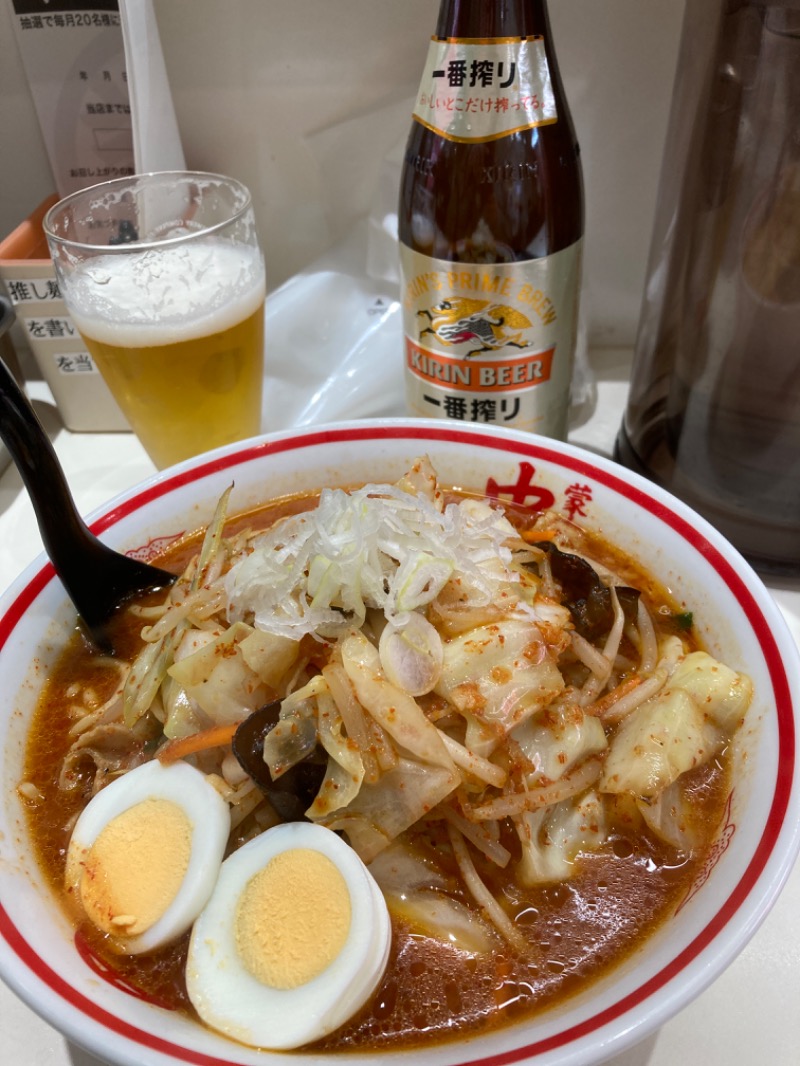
point(163, 277)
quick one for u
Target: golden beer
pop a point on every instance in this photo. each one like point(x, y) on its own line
point(189, 377)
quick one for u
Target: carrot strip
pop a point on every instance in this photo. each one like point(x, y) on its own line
point(531, 536)
point(215, 737)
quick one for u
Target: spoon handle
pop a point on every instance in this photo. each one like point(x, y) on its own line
point(38, 466)
point(97, 578)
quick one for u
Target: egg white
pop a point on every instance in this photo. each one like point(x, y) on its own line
point(209, 818)
point(232, 1001)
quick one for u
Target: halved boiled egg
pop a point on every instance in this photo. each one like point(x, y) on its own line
point(293, 941)
point(145, 853)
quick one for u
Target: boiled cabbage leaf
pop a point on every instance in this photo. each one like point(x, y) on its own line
point(382, 811)
point(717, 690)
point(557, 739)
point(552, 838)
point(218, 679)
point(656, 743)
point(500, 673)
point(269, 655)
point(440, 917)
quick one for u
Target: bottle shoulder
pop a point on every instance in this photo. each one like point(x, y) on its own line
point(517, 197)
point(482, 19)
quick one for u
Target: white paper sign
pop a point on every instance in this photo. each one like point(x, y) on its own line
point(74, 60)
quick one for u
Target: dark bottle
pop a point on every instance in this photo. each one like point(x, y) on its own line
point(714, 407)
point(491, 223)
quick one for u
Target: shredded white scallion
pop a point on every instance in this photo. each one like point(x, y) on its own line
point(377, 547)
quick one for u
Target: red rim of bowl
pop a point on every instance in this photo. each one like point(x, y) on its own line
point(572, 460)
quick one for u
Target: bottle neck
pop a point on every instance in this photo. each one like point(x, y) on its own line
point(493, 18)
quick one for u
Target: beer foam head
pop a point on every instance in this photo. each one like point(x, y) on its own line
point(166, 294)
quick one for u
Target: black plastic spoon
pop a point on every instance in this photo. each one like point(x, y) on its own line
point(97, 578)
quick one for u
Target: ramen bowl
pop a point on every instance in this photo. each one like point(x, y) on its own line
point(735, 617)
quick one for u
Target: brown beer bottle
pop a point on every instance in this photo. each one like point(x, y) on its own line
point(491, 223)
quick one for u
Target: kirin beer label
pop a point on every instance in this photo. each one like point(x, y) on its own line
point(491, 342)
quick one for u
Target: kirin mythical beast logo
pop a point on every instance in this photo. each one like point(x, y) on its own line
point(486, 325)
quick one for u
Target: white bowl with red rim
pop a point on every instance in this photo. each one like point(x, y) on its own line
point(734, 614)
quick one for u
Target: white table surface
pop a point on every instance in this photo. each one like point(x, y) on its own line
point(750, 1015)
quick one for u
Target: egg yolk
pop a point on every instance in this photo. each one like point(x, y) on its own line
point(292, 919)
point(135, 867)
